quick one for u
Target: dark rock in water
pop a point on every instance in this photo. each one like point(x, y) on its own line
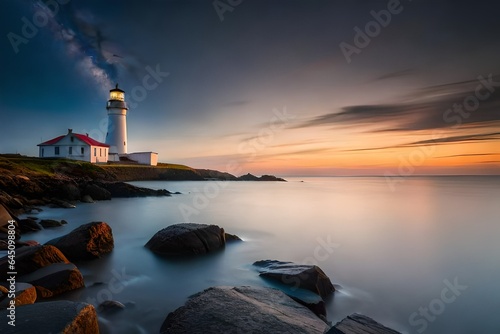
point(25, 294)
point(63, 316)
point(29, 259)
point(242, 310)
point(110, 306)
point(86, 242)
point(28, 225)
point(50, 223)
point(86, 199)
point(231, 237)
point(310, 300)
point(271, 178)
point(250, 177)
point(122, 189)
point(96, 193)
point(187, 239)
point(69, 191)
point(307, 277)
point(32, 217)
point(62, 204)
point(360, 324)
point(54, 279)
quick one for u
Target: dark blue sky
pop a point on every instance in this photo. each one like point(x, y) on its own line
point(225, 78)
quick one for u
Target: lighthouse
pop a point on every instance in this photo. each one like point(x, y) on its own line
point(116, 137)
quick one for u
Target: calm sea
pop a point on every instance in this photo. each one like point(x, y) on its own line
point(422, 257)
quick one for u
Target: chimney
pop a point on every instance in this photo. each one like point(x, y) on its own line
point(70, 131)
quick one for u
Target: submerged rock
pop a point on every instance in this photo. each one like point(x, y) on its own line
point(307, 277)
point(51, 223)
point(110, 306)
point(64, 317)
point(360, 324)
point(187, 239)
point(89, 241)
point(242, 310)
point(28, 225)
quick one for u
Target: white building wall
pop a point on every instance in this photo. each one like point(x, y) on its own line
point(144, 158)
point(75, 150)
point(98, 154)
point(116, 137)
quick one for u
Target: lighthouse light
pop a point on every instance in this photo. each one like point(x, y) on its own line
point(117, 96)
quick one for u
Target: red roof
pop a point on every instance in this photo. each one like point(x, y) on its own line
point(86, 139)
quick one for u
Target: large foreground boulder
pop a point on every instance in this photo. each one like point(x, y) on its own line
point(52, 317)
point(360, 324)
point(87, 242)
point(54, 279)
point(31, 258)
point(307, 277)
point(242, 310)
point(187, 239)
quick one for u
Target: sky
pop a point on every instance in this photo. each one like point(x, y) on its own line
point(285, 87)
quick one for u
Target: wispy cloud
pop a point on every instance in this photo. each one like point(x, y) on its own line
point(396, 74)
point(470, 155)
point(428, 111)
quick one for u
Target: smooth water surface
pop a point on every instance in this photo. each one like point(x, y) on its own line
point(390, 252)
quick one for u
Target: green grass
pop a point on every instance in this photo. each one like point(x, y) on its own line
point(47, 166)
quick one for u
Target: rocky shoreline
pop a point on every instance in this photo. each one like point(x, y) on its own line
point(46, 272)
point(28, 182)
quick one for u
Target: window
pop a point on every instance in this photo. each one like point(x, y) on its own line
point(42, 152)
point(95, 151)
point(100, 152)
point(83, 150)
point(56, 150)
point(72, 139)
point(71, 150)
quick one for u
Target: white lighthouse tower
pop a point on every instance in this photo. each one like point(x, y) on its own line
point(116, 137)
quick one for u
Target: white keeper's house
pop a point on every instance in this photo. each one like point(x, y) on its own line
point(74, 146)
point(82, 147)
